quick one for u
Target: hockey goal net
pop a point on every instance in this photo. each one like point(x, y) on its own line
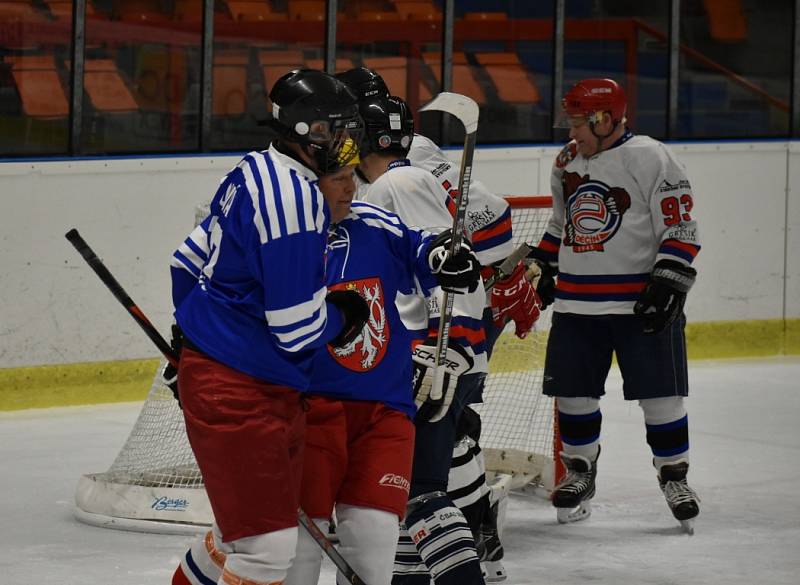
point(154, 484)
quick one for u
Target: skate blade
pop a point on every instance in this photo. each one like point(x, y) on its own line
point(568, 515)
point(493, 571)
point(688, 526)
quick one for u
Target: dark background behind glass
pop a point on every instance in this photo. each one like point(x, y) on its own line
point(143, 63)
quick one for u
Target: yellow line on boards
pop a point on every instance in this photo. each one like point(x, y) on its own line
point(130, 380)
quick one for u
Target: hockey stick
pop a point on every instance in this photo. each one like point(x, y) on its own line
point(467, 112)
point(116, 289)
point(507, 266)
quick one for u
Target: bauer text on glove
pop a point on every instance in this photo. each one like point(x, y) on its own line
point(432, 403)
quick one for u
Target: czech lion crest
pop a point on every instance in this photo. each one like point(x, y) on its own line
point(367, 350)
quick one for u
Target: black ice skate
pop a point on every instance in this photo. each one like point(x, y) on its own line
point(490, 549)
point(682, 500)
point(572, 496)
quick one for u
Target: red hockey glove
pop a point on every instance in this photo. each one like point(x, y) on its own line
point(515, 298)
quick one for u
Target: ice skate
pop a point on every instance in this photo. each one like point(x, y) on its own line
point(572, 497)
point(682, 500)
point(490, 550)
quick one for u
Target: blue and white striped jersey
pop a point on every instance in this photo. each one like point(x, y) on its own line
point(373, 252)
point(249, 282)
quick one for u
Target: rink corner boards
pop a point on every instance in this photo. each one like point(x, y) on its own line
point(129, 381)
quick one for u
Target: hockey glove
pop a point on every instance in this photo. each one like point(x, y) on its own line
point(169, 375)
point(355, 312)
point(546, 287)
point(458, 273)
point(432, 406)
point(662, 299)
point(515, 298)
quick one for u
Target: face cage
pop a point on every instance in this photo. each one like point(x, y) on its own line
point(339, 150)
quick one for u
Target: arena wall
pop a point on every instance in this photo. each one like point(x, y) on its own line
point(135, 211)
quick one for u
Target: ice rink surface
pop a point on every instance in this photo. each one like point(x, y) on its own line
point(744, 421)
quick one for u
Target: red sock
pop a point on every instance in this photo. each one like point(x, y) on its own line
point(179, 578)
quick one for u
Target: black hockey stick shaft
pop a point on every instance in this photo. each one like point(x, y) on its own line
point(119, 293)
point(116, 289)
point(329, 549)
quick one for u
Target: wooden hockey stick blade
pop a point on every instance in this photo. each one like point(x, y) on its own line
point(508, 265)
point(462, 107)
point(329, 549)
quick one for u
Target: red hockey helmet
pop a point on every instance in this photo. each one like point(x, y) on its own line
point(589, 96)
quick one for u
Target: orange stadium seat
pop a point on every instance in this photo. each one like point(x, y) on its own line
point(307, 10)
point(20, 10)
point(274, 64)
point(39, 86)
point(342, 64)
point(464, 81)
point(394, 71)
point(160, 78)
point(230, 83)
point(188, 11)
point(105, 87)
point(144, 11)
point(254, 11)
point(485, 16)
point(726, 20)
point(418, 10)
point(377, 15)
point(514, 83)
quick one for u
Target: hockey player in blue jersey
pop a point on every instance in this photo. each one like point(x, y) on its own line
point(253, 313)
point(359, 435)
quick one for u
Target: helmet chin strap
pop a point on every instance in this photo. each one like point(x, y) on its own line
point(601, 137)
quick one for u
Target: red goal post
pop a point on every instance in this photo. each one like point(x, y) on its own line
point(154, 484)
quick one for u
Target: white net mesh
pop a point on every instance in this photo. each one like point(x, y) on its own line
point(517, 419)
point(517, 427)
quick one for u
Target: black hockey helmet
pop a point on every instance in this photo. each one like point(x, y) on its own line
point(365, 82)
point(318, 112)
point(389, 125)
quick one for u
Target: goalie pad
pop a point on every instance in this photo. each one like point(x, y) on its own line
point(457, 362)
point(444, 540)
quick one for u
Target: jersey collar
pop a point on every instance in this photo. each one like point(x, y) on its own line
point(622, 139)
point(403, 162)
point(291, 162)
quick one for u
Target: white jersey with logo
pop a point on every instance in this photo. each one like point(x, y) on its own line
point(488, 215)
point(615, 214)
point(416, 196)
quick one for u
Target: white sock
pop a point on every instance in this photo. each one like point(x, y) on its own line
point(368, 540)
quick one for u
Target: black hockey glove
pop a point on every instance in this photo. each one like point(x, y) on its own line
point(459, 273)
point(546, 287)
point(661, 301)
point(433, 403)
point(169, 375)
point(355, 312)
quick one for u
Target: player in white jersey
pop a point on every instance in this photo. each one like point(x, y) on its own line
point(254, 309)
point(437, 532)
point(616, 258)
point(488, 222)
